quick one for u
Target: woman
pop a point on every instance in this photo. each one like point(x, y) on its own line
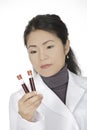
point(60, 102)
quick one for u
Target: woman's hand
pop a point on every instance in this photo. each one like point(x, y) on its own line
point(28, 104)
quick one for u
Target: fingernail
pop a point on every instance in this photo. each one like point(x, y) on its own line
point(41, 95)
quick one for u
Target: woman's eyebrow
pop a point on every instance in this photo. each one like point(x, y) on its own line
point(31, 46)
point(47, 42)
point(42, 43)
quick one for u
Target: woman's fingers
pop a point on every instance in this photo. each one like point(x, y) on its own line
point(33, 106)
point(27, 96)
point(33, 100)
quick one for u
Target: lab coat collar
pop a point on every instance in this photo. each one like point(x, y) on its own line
point(52, 101)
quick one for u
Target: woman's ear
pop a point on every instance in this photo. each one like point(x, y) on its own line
point(67, 47)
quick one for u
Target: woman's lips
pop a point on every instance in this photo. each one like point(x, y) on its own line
point(45, 66)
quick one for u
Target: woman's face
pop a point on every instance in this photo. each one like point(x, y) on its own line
point(46, 52)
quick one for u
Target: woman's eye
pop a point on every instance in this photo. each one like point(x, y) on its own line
point(49, 47)
point(33, 52)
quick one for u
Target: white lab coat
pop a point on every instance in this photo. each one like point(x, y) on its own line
point(53, 114)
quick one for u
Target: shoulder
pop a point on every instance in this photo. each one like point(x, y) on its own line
point(78, 79)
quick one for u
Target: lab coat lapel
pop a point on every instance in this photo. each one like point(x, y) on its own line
point(52, 101)
point(74, 92)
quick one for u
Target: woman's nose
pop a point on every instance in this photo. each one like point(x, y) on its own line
point(43, 55)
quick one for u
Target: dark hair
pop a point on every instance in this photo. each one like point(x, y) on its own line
point(53, 23)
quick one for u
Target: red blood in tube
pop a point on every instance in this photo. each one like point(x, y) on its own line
point(24, 86)
point(32, 84)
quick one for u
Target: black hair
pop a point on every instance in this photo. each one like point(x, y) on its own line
point(53, 23)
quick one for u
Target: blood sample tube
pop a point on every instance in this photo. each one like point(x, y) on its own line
point(24, 86)
point(31, 80)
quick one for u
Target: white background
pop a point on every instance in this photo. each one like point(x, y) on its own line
point(14, 15)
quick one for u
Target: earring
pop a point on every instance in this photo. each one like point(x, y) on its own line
point(67, 57)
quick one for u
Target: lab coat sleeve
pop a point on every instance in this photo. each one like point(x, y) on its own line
point(18, 123)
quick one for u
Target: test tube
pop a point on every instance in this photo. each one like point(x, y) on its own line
point(31, 80)
point(24, 86)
